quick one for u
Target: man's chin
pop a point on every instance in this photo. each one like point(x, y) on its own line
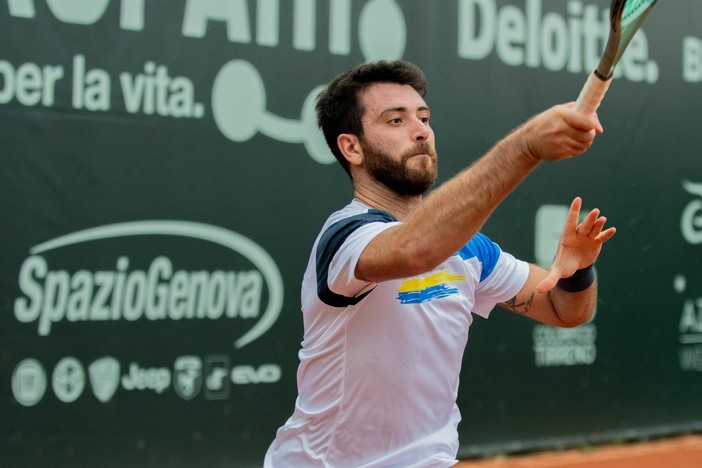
point(423, 162)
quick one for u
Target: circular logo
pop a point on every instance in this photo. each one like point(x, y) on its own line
point(68, 380)
point(28, 382)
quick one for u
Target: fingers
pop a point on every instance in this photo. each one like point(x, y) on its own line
point(559, 133)
point(579, 246)
point(592, 227)
point(607, 235)
point(582, 122)
point(581, 128)
point(574, 212)
point(598, 126)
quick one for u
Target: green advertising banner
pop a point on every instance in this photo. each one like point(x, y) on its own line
point(162, 182)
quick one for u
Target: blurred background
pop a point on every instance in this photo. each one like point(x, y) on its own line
point(162, 182)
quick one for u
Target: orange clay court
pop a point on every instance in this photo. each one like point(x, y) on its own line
point(673, 452)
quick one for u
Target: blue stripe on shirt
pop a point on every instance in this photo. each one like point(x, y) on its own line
point(329, 244)
point(485, 250)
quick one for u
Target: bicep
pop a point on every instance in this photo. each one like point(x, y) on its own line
point(387, 256)
point(338, 253)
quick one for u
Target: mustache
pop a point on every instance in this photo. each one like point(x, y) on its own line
point(423, 147)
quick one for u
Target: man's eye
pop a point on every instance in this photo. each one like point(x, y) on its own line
point(396, 120)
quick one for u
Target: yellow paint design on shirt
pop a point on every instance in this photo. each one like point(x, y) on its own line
point(418, 284)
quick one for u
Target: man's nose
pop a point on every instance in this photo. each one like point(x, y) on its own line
point(421, 130)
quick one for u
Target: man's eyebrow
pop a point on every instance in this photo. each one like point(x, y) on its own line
point(402, 109)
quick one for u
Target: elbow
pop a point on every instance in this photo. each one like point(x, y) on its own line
point(417, 265)
point(418, 260)
point(396, 259)
point(415, 254)
point(576, 322)
point(575, 318)
point(421, 260)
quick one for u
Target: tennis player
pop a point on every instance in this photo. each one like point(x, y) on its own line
point(394, 277)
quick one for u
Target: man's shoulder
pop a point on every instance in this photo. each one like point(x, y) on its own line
point(356, 211)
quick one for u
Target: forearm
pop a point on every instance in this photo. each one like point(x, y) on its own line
point(457, 210)
point(568, 305)
point(574, 298)
point(573, 308)
point(557, 307)
point(463, 204)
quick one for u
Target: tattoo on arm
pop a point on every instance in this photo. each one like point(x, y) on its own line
point(520, 307)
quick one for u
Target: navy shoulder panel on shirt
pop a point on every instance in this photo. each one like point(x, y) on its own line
point(330, 242)
point(485, 250)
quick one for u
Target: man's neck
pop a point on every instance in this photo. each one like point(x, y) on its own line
point(381, 198)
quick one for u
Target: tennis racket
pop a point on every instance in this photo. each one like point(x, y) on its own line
point(625, 18)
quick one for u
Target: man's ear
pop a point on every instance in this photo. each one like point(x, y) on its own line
point(350, 147)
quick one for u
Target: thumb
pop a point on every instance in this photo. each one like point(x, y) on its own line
point(550, 281)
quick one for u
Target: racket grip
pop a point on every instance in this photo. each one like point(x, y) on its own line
point(592, 94)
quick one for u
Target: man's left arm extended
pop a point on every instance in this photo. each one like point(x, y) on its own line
point(565, 295)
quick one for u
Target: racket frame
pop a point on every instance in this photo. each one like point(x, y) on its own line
point(620, 36)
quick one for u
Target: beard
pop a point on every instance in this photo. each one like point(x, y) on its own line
point(396, 174)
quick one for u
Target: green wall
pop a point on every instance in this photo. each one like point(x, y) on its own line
point(162, 182)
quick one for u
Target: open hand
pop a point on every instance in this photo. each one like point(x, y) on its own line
point(579, 245)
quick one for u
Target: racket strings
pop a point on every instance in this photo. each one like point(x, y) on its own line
point(634, 9)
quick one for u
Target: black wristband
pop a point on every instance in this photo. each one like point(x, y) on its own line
point(580, 281)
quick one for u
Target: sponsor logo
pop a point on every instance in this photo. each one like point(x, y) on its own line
point(692, 59)
point(160, 292)
point(690, 331)
point(238, 88)
point(104, 377)
point(690, 323)
point(565, 346)
point(190, 375)
point(217, 383)
point(529, 36)
point(691, 219)
point(68, 379)
point(156, 379)
point(265, 373)
point(187, 376)
point(28, 382)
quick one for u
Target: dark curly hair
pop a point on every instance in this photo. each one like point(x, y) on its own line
point(338, 106)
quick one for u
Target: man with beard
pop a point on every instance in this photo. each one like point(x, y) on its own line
point(394, 277)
